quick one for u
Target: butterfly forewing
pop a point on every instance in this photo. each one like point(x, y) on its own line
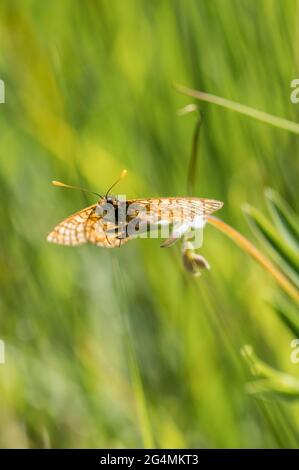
point(71, 231)
point(85, 226)
point(172, 209)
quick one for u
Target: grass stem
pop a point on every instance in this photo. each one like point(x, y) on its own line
point(240, 108)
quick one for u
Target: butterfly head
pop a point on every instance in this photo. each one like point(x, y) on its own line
point(107, 206)
point(107, 200)
point(110, 199)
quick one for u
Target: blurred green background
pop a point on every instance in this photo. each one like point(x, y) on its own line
point(122, 348)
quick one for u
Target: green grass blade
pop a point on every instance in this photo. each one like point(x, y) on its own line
point(285, 255)
point(141, 404)
point(285, 219)
point(240, 108)
point(269, 380)
point(288, 314)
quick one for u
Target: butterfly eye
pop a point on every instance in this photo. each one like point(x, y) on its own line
point(103, 210)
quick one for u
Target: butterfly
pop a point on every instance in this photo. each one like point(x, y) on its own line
point(113, 221)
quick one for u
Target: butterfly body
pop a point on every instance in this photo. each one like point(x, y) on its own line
point(115, 220)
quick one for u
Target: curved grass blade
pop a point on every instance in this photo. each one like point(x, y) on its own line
point(240, 108)
point(263, 260)
point(285, 255)
point(288, 314)
point(285, 219)
point(269, 380)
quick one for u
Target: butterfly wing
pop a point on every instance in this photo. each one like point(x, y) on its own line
point(172, 209)
point(182, 214)
point(71, 231)
point(85, 226)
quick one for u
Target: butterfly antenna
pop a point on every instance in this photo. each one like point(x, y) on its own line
point(63, 185)
point(122, 175)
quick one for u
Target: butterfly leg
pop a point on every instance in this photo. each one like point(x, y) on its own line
point(107, 239)
point(122, 233)
point(86, 223)
point(103, 228)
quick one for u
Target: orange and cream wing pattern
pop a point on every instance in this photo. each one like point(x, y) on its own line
point(103, 233)
point(85, 226)
point(71, 231)
point(173, 208)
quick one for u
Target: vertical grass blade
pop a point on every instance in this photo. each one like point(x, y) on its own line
point(140, 400)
